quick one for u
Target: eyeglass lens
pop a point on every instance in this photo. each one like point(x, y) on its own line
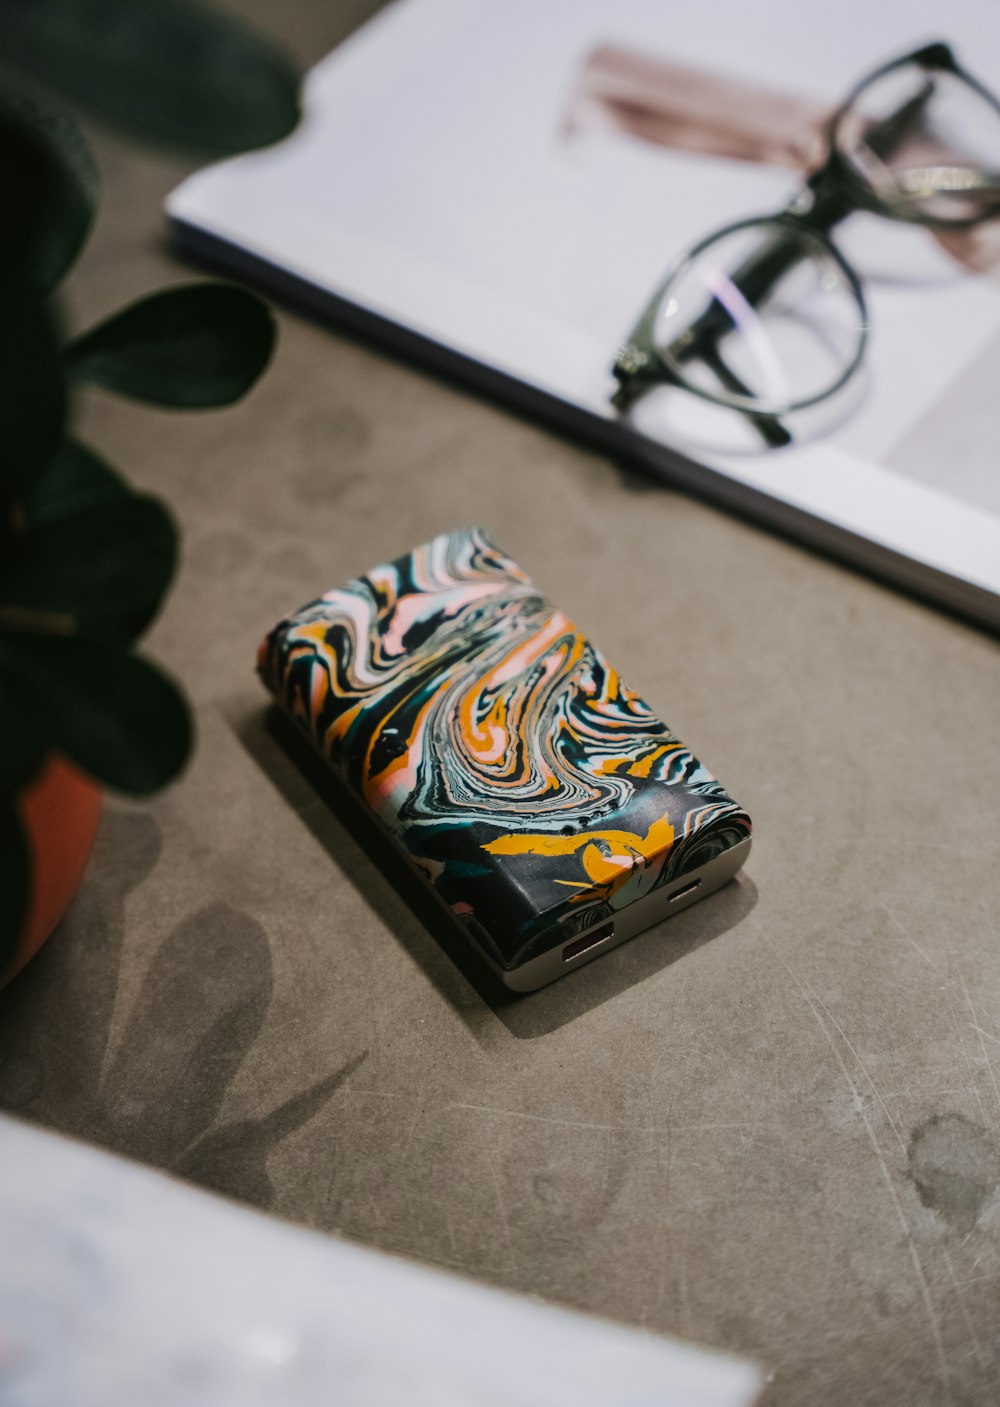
point(786, 348)
point(926, 142)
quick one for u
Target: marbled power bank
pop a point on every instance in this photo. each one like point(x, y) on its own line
point(540, 798)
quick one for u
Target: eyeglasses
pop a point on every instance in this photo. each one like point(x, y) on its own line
point(766, 316)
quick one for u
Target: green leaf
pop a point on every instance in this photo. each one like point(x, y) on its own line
point(106, 568)
point(112, 713)
point(32, 389)
point(200, 345)
point(49, 182)
point(22, 744)
point(74, 479)
point(172, 71)
point(94, 551)
point(14, 870)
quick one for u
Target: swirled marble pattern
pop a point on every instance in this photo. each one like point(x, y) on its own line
point(536, 792)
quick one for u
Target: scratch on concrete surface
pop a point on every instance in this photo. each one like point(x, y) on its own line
point(418, 1109)
point(505, 1224)
point(739, 1125)
point(982, 1044)
point(977, 1346)
point(925, 1092)
point(547, 1119)
point(929, 1306)
point(972, 1070)
point(950, 983)
point(988, 1034)
point(374, 1093)
point(861, 1065)
point(910, 939)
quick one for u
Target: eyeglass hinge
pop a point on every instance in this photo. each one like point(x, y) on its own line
point(802, 202)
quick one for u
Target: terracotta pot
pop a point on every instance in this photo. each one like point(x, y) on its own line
point(59, 811)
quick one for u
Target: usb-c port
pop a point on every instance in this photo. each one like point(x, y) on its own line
point(588, 941)
point(684, 891)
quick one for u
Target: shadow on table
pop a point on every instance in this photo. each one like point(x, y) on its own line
point(288, 761)
point(154, 1084)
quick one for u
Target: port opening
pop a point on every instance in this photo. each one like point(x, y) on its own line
point(684, 891)
point(589, 940)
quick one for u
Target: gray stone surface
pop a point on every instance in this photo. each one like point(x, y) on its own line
point(770, 1125)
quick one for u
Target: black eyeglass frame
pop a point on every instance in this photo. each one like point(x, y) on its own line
point(933, 57)
point(834, 191)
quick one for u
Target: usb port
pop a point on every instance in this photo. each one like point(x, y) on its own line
point(588, 941)
point(684, 891)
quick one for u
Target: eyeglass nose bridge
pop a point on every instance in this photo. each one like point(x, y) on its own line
point(935, 55)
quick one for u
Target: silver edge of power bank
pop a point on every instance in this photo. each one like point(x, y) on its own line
point(660, 904)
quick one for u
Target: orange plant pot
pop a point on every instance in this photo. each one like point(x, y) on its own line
point(59, 811)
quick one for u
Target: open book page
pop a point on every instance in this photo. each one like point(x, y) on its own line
point(512, 181)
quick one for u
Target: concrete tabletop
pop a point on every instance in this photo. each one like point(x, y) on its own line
point(771, 1124)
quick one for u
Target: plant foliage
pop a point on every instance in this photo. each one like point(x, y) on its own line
point(85, 561)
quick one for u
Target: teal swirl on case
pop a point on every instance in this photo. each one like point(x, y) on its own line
point(501, 751)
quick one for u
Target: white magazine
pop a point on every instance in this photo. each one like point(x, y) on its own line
point(464, 182)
